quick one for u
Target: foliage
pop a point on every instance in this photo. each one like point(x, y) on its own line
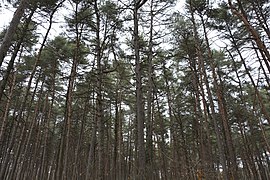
point(70, 108)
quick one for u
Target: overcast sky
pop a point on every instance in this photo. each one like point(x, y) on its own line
point(6, 13)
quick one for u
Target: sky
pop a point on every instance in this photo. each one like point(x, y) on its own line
point(6, 12)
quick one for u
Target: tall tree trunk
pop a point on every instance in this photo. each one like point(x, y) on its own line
point(75, 167)
point(6, 43)
point(118, 152)
point(33, 122)
point(203, 76)
point(45, 155)
point(149, 123)
point(99, 103)
point(7, 106)
point(261, 16)
point(15, 52)
point(263, 108)
point(90, 171)
point(162, 144)
point(222, 107)
point(139, 97)
point(202, 71)
point(242, 16)
point(116, 139)
point(65, 149)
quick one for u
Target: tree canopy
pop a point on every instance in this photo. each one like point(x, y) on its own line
point(143, 90)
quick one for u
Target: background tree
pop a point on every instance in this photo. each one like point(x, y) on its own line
point(136, 90)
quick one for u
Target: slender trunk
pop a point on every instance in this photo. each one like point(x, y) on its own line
point(149, 123)
point(99, 105)
point(139, 100)
point(116, 132)
point(222, 110)
point(5, 116)
point(211, 101)
point(162, 144)
point(263, 108)
point(121, 164)
point(118, 138)
point(45, 155)
point(140, 120)
point(65, 147)
point(6, 43)
point(14, 54)
point(68, 116)
point(76, 171)
point(30, 134)
point(24, 122)
point(260, 16)
point(68, 113)
point(90, 171)
point(242, 16)
point(267, 79)
point(44, 158)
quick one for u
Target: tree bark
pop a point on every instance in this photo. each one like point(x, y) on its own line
point(203, 77)
point(12, 29)
point(149, 123)
point(139, 96)
point(14, 54)
point(242, 16)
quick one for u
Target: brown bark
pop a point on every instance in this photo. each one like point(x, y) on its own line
point(139, 96)
point(24, 121)
point(90, 171)
point(222, 111)
point(261, 16)
point(45, 154)
point(149, 123)
point(214, 118)
point(12, 29)
point(33, 125)
point(99, 103)
point(242, 15)
point(263, 108)
point(7, 106)
point(116, 140)
point(178, 168)
point(14, 54)
point(267, 79)
point(161, 143)
point(203, 77)
point(118, 150)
